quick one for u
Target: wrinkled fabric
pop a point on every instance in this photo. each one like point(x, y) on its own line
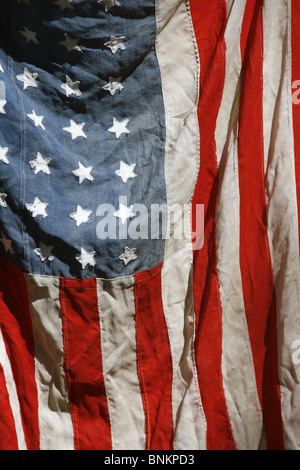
point(91, 63)
point(149, 342)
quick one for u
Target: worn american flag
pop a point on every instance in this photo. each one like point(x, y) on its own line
point(149, 342)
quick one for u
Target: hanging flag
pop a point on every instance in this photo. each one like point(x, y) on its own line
point(149, 232)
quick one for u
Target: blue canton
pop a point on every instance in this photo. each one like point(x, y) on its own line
point(81, 124)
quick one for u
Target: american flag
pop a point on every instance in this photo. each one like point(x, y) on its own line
point(149, 343)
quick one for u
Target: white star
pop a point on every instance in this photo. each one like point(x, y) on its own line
point(75, 129)
point(83, 173)
point(81, 216)
point(86, 258)
point(3, 202)
point(109, 4)
point(115, 43)
point(37, 120)
point(70, 44)
point(71, 87)
point(119, 127)
point(64, 4)
point(37, 208)
point(124, 213)
point(7, 244)
point(44, 252)
point(29, 35)
point(128, 255)
point(126, 171)
point(2, 104)
point(28, 79)
point(1, 69)
point(113, 85)
point(40, 164)
point(3, 157)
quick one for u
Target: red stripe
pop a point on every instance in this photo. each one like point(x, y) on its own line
point(83, 364)
point(154, 360)
point(296, 91)
point(18, 335)
point(209, 18)
point(8, 436)
point(255, 260)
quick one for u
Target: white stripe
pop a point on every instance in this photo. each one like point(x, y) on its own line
point(12, 393)
point(116, 306)
point(282, 206)
point(274, 29)
point(180, 83)
point(55, 422)
point(229, 4)
point(238, 370)
point(229, 108)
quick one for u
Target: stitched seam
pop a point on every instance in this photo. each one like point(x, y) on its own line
point(167, 117)
point(41, 418)
point(188, 222)
point(254, 388)
point(221, 388)
point(102, 340)
point(139, 278)
point(197, 86)
point(290, 122)
point(66, 361)
point(140, 374)
point(290, 126)
point(22, 158)
point(166, 312)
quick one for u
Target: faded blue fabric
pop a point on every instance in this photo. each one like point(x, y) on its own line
point(140, 101)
